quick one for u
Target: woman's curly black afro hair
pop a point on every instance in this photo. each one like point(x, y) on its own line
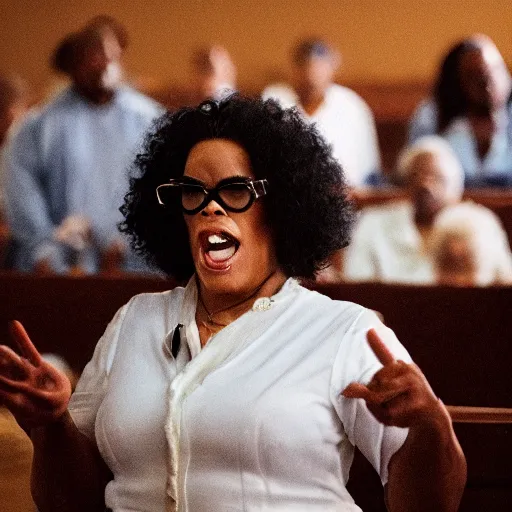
point(306, 204)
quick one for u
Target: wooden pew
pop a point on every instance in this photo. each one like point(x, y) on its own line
point(66, 315)
point(493, 198)
point(487, 446)
point(461, 338)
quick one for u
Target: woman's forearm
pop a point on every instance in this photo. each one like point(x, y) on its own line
point(428, 472)
point(68, 473)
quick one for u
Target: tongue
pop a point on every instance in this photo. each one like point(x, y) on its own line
point(223, 254)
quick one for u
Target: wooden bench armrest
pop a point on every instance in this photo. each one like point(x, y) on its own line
point(463, 414)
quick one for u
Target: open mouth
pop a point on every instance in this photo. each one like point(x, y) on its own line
point(219, 248)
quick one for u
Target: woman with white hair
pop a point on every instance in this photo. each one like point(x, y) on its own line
point(470, 247)
point(390, 243)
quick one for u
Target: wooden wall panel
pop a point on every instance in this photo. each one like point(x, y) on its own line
point(381, 42)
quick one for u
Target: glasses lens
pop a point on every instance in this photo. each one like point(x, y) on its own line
point(235, 195)
point(192, 196)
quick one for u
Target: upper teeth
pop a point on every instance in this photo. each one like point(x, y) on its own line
point(216, 239)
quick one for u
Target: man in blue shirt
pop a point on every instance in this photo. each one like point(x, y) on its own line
point(68, 166)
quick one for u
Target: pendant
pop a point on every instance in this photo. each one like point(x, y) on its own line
point(262, 304)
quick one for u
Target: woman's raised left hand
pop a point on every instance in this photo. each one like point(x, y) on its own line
point(398, 394)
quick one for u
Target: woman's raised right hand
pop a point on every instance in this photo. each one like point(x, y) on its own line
point(33, 390)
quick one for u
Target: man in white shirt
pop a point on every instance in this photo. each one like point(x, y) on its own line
point(341, 116)
point(391, 242)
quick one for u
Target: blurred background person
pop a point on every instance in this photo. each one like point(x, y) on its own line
point(14, 101)
point(470, 247)
point(67, 168)
point(391, 242)
point(433, 115)
point(107, 26)
point(481, 137)
point(213, 72)
point(341, 116)
point(110, 27)
point(471, 109)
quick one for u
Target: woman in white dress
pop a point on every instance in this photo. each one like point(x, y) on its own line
point(242, 390)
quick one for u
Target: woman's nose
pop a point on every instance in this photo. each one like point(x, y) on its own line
point(213, 208)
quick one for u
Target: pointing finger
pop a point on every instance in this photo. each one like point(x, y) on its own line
point(27, 348)
point(379, 348)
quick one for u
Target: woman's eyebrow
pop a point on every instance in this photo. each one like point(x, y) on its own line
point(237, 178)
point(195, 181)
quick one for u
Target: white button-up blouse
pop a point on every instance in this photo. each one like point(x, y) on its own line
point(254, 421)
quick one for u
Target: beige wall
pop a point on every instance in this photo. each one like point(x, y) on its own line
point(386, 41)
